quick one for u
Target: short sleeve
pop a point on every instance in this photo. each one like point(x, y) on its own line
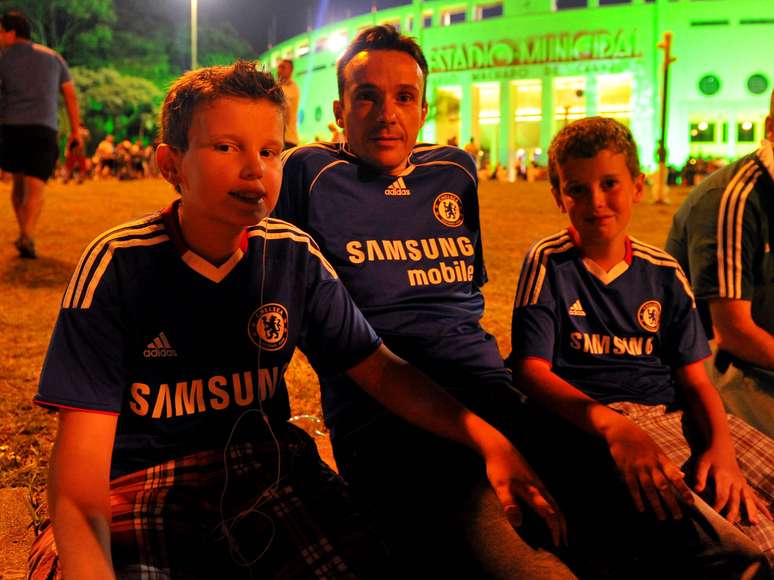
point(535, 325)
point(85, 366)
point(721, 242)
point(64, 71)
point(293, 202)
point(684, 339)
point(336, 336)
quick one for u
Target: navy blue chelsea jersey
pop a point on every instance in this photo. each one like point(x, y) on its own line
point(407, 247)
point(179, 348)
point(616, 336)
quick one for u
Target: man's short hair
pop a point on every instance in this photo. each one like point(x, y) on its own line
point(18, 22)
point(382, 37)
point(203, 86)
point(587, 137)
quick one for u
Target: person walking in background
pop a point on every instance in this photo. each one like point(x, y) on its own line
point(722, 237)
point(31, 77)
point(292, 97)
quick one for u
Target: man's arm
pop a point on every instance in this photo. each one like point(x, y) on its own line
point(73, 112)
point(413, 396)
point(79, 493)
point(717, 457)
point(737, 333)
point(644, 467)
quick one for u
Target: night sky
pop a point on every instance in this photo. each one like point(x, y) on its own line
point(253, 19)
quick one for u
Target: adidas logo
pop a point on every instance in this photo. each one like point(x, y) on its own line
point(397, 187)
point(576, 309)
point(159, 348)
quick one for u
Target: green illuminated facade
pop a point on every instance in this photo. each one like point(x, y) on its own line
point(511, 72)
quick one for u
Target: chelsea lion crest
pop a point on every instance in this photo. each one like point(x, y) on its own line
point(649, 315)
point(447, 209)
point(268, 326)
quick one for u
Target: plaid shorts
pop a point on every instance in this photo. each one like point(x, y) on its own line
point(754, 453)
point(275, 515)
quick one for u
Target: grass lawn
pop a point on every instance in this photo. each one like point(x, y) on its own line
point(513, 215)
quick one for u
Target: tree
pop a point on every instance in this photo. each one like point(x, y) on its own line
point(81, 30)
point(123, 105)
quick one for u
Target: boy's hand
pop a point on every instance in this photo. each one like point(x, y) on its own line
point(731, 490)
point(646, 469)
point(514, 482)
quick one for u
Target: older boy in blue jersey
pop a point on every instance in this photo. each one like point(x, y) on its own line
point(606, 335)
point(174, 458)
point(399, 222)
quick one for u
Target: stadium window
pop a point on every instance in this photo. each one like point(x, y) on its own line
point(486, 11)
point(410, 23)
point(611, 2)
point(302, 49)
point(703, 132)
point(395, 23)
point(320, 44)
point(427, 19)
point(570, 4)
point(758, 84)
point(453, 16)
point(745, 132)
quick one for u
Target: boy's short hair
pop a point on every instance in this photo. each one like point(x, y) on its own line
point(587, 137)
point(18, 22)
point(204, 85)
point(382, 37)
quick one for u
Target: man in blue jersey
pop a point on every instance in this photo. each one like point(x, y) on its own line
point(31, 78)
point(722, 236)
point(399, 222)
point(606, 336)
point(173, 456)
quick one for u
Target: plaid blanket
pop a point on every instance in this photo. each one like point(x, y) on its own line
point(754, 453)
point(275, 511)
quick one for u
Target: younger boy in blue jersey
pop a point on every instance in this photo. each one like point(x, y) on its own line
point(606, 335)
point(174, 457)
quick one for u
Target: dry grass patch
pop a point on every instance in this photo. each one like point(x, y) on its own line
point(513, 215)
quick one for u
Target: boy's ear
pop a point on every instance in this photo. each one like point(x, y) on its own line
point(639, 187)
point(168, 161)
point(338, 114)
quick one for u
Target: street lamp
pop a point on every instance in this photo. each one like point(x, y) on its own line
point(194, 34)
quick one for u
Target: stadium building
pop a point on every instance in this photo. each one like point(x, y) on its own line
point(509, 73)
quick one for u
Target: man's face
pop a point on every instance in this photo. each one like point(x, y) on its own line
point(381, 108)
point(284, 71)
point(6, 37)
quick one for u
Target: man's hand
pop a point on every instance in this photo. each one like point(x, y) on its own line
point(514, 482)
point(730, 487)
point(646, 469)
point(75, 141)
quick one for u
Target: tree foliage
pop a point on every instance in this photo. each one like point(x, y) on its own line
point(81, 30)
point(115, 103)
point(124, 53)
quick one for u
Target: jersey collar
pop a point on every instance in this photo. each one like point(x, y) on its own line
point(347, 153)
point(596, 270)
point(171, 218)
